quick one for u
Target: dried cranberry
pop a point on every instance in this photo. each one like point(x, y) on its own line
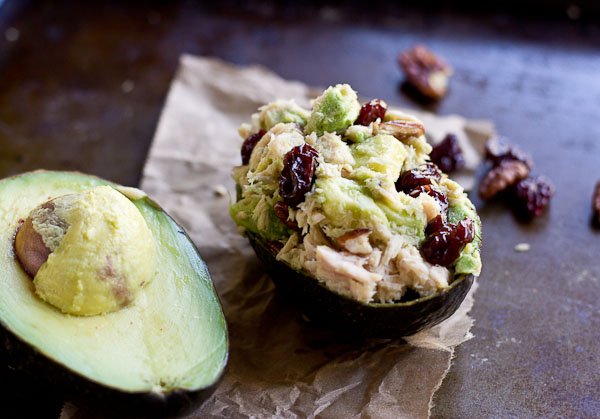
point(444, 246)
point(435, 225)
point(249, 144)
point(533, 195)
point(421, 176)
point(298, 174)
point(282, 211)
point(439, 196)
point(499, 149)
point(371, 111)
point(448, 154)
point(432, 171)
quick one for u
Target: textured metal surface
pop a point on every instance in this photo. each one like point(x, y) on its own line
point(82, 88)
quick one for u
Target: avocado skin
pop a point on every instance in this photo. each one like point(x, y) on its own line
point(17, 393)
point(64, 383)
point(32, 369)
point(374, 320)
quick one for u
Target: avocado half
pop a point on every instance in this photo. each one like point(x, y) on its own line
point(161, 356)
point(376, 320)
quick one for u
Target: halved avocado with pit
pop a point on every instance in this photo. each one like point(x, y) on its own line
point(342, 314)
point(160, 356)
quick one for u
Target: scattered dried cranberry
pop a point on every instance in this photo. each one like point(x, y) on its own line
point(249, 144)
point(435, 225)
point(533, 195)
point(282, 211)
point(444, 246)
point(298, 174)
point(499, 149)
point(448, 154)
point(371, 111)
point(439, 196)
point(421, 176)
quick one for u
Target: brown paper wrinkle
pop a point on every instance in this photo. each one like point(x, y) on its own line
point(279, 365)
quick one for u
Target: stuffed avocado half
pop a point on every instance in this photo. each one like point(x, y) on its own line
point(104, 297)
point(354, 222)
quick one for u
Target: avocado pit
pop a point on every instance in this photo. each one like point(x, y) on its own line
point(88, 253)
point(30, 248)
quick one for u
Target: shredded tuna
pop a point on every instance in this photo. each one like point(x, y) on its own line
point(345, 275)
point(356, 241)
point(431, 207)
point(413, 271)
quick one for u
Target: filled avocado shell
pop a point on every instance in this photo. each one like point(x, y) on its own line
point(160, 356)
point(327, 308)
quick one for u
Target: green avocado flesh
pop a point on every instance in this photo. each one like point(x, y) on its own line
point(336, 109)
point(173, 336)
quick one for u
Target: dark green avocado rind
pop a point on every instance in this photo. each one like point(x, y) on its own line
point(332, 310)
point(64, 383)
point(42, 372)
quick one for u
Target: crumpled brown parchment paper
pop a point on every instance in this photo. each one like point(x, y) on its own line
point(280, 366)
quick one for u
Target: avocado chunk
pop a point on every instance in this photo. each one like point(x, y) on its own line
point(336, 109)
point(160, 355)
point(469, 260)
point(282, 111)
point(348, 204)
point(381, 154)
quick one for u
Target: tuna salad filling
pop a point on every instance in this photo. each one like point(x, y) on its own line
point(348, 195)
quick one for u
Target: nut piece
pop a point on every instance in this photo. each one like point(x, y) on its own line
point(401, 129)
point(499, 178)
point(356, 241)
point(427, 72)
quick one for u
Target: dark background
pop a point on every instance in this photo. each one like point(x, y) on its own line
point(81, 88)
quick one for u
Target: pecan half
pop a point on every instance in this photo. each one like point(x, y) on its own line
point(499, 149)
point(502, 177)
point(356, 241)
point(426, 71)
point(401, 129)
point(596, 202)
